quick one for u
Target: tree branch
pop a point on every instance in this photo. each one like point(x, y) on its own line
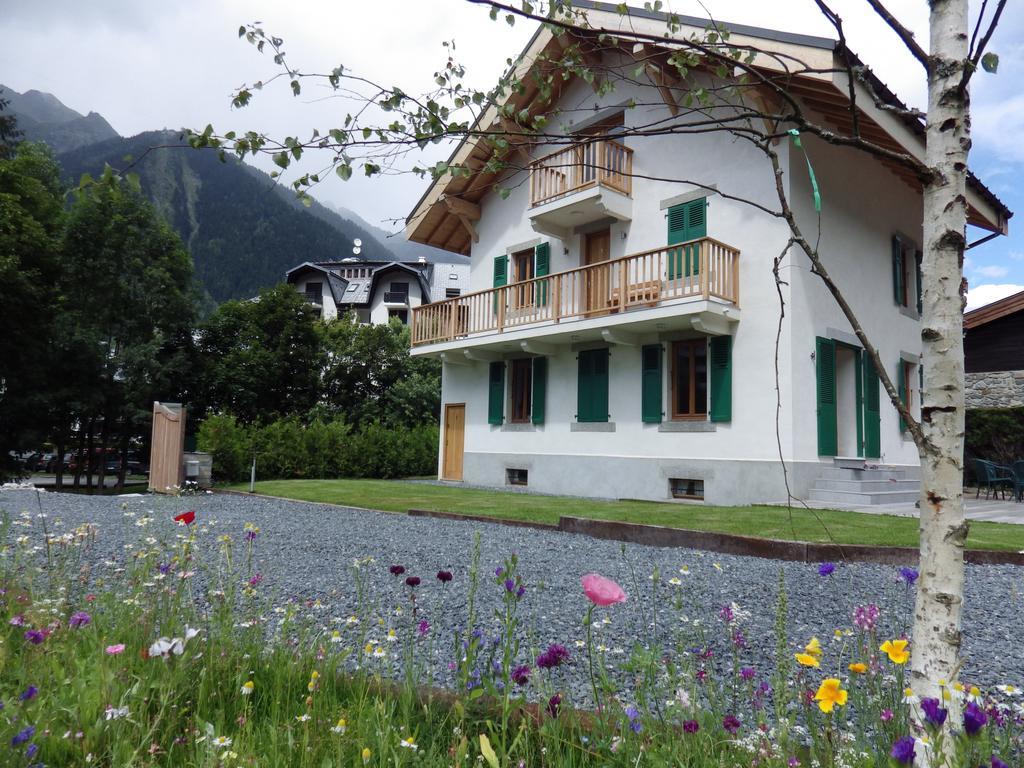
point(903, 33)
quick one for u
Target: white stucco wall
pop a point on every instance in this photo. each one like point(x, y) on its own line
point(378, 307)
point(864, 204)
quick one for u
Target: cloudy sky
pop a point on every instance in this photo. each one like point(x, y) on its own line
point(149, 65)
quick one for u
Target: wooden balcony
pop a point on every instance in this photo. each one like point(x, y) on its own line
point(704, 268)
point(592, 164)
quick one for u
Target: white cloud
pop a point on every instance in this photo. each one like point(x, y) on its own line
point(980, 295)
point(993, 271)
point(1017, 255)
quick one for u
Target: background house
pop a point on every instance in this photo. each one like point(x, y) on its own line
point(376, 291)
point(994, 354)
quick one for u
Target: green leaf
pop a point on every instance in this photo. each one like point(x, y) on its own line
point(487, 751)
point(241, 31)
point(281, 159)
point(990, 62)
point(511, 19)
point(344, 171)
point(494, 12)
point(296, 88)
point(476, 693)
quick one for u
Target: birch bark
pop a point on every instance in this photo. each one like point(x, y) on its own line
point(937, 614)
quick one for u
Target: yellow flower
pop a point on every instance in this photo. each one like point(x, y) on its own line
point(829, 695)
point(807, 660)
point(859, 668)
point(896, 650)
point(247, 687)
point(366, 755)
point(813, 647)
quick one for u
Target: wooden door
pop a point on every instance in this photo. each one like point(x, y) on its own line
point(596, 289)
point(454, 440)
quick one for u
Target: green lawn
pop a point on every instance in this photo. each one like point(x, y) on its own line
point(770, 522)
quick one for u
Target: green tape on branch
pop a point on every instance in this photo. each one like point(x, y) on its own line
point(795, 136)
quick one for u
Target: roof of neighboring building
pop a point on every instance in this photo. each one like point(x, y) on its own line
point(336, 284)
point(438, 219)
point(994, 311)
point(359, 290)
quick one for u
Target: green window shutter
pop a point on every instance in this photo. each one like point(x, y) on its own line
point(687, 221)
point(650, 383)
point(592, 386)
point(897, 270)
point(901, 375)
point(500, 276)
point(918, 257)
point(825, 358)
point(496, 394)
point(540, 388)
point(541, 267)
point(872, 412)
point(720, 363)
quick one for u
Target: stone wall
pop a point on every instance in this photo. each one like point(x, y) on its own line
point(995, 389)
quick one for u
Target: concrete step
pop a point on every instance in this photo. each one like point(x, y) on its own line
point(842, 473)
point(867, 486)
point(863, 499)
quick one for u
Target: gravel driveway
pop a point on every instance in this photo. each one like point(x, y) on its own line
point(306, 551)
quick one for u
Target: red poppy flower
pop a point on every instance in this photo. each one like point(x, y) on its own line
point(187, 518)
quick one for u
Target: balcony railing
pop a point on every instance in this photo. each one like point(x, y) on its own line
point(396, 297)
point(313, 298)
point(700, 268)
point(580, 166)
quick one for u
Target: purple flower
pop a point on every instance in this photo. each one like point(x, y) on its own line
point(509, 585)
point(691, 726)
point(886, 715)
point(553, 704)
point(250, 535)
point(974, 719)
point(997, 763)
point(908, 575)
point(748, 673)
point(255, 581)
point(521, 674)
point(731, 723)
point(28, 694)
point(423, 627)
point(397, 570)
point(793, 763)
point(903, 750)
point(164, 568)
point(934, 712)
point(634, 719)
point(79, 619)
point(553, 656)
point(826, 569)
point(726, 614)
point(499, 572)
point(865, 616)
point(413, 581)
point(35, 636)
point(444, 576)
point(22, 736)
point(520, 592)
point(30, 750)
point(739, 640)
point(17, 620)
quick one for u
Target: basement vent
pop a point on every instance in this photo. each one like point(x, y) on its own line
point(516, 476)
point(683, 488)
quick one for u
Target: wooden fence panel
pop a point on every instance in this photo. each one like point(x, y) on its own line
point(166, 460)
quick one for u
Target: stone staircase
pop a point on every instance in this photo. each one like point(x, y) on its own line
point(854, 482)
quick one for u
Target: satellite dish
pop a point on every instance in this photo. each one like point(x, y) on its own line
point(356, 250)
point(357, 243)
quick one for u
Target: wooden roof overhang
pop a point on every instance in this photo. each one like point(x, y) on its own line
point(994, 311)
point(444, 217)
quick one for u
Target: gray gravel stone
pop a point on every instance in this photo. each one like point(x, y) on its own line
point(305, 551)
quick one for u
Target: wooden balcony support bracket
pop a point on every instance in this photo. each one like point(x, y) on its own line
point(466, 212)
point(481, 356)
point(766, 101)
point(519, 145)
point(451, 358)
point(662, 77)
point(620, 338)
point(537, 348)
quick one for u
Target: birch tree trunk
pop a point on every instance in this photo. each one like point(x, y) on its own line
point(936, 634)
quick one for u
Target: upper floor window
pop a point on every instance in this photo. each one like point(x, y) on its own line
point(906, 273)
point(452, 293)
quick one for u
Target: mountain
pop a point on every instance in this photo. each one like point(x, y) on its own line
point(404, 250)
point(43, 117)
point(243, 230)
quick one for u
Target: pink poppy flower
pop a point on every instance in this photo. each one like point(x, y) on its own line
point(602, 591)
point(113, 650)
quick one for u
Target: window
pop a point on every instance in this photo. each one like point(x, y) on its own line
point(401, 314)
point(906, 274)
point(907, 374)
point(522, 270)
point(684, 488)
point(689, 379)
point(452, 293)
point(516, 476)
point(398, 294)
point(522, 371)
point(402, 288)
point(592, 386)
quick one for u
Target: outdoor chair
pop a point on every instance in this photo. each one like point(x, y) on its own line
point(994, 477)
point(1018, 481)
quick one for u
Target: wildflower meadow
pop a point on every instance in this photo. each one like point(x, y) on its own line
point(177, 653)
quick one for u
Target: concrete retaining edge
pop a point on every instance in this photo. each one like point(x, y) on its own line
point(725, 543)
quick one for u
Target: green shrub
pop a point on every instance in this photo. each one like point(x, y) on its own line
point(288, 449)
point(995, 434)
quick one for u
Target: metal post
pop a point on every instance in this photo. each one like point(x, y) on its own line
point(252, 476)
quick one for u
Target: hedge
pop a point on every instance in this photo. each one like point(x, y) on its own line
point(288, 449)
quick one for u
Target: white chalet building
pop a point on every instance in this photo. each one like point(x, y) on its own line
point(605, 347)
point(376, 291)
